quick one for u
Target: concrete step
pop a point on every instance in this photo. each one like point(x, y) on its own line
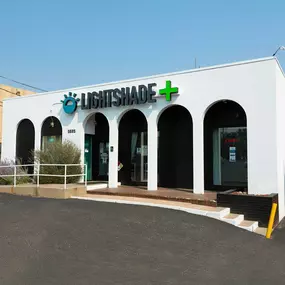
point(212, 212)
point(233, 219)
point(218, 213)
point(248, 225)
point(261, 231)
point(99, 186)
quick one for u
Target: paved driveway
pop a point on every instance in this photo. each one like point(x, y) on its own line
point(82, 242)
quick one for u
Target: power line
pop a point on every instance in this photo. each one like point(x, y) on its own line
point(22, 83)
point(9, 91)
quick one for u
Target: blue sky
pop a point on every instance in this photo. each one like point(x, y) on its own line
point(59, 44)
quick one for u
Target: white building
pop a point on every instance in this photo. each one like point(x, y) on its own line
point(214, 128)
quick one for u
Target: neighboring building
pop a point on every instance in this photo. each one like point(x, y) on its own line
point(213, 128)
point(9, 92)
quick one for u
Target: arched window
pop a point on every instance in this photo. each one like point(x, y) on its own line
point(133, 148)
point(51, 131)
point(175, 151)
point(25, 143)
point(225, 146)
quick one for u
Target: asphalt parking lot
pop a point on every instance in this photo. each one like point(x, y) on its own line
point(45, 241)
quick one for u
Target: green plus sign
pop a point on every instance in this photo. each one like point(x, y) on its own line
point(168, 90)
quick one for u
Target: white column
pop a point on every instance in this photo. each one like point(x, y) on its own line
point(113, 153)
point(37, 137)
point(152, 141)
point(198, 156)
point(9, 143)
point(37, 146)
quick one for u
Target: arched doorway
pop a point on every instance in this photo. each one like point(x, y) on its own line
point(25, 143)
point(175, 152)
point(133, 148)
point(225, 146)
point(51, 131)
point(96, 153)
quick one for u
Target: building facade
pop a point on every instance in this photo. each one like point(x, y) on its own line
point(9, 92)
point(213, 128)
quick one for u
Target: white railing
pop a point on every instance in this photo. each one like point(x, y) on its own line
point(38, 174)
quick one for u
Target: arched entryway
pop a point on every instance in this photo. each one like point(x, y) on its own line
point(133, 148)
point(51, 131)
point(96, 152)
point(175, 151)
point(25, 143)
point(225, 146)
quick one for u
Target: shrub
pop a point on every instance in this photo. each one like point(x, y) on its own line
point(9, 170)
point(58, 153)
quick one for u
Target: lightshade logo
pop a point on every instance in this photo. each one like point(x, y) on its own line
point(124, 96)
point(168, 90)
point(70, 103)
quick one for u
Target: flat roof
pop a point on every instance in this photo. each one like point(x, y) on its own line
point(154, 76)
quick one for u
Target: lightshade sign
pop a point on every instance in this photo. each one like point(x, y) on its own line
point(126, 96)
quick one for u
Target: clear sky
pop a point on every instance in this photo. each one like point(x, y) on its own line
point(55, 44)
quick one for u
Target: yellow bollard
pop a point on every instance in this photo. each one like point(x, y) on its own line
point(271, 220)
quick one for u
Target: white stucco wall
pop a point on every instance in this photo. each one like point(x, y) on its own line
point(252, 84)
point(280, 121)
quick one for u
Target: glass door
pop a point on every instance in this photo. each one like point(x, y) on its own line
point(88, 155)
point(139, 157)
point(230, 156)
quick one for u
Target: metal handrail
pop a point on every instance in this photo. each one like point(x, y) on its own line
point(38, 174)
point(43, 164)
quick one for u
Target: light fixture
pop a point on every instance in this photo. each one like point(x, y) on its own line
point(52, 123)
point(280, 48)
